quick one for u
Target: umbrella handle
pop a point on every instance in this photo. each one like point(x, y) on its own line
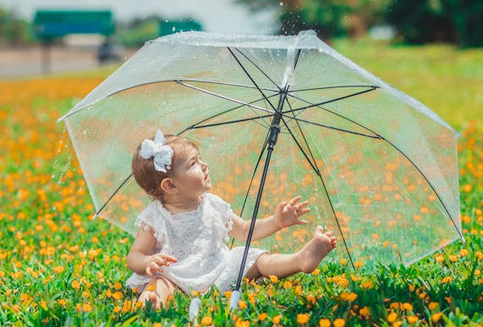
point(235, 297)
point(194, 309)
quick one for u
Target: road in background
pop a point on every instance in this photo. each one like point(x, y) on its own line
point(23, 62)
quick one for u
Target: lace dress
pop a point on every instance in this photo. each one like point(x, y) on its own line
point(197, 239)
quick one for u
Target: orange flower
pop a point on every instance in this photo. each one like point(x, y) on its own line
point(206, 321)
point(262, 316)
point(392, 317)
point(276, 319)
point(273, 278)
point(75, 284)
point(324, 322)
point(58, 269)
point(412, 319)
point(433, 305)
point(303, 318)
point(339, 322)
point(117, 295)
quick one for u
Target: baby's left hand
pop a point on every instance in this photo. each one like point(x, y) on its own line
point(288, 213)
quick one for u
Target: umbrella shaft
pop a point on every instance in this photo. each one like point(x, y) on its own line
point(277, 117)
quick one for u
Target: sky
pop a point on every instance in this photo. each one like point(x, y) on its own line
point(214, 15)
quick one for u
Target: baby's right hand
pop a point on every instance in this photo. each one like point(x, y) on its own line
point(156, 261)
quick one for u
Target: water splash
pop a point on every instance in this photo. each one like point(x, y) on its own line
point(63, 144)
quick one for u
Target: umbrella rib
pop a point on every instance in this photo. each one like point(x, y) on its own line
point(224, 97)
point(333, 87)
point(318, 105)
point(227, 122)
point(114, 193)
point(332, 127)
point(222, 113)
point(249, 76)
point(312, 105)
point(429, 183)
point(256, 66)
point(317, 172)
point(223, 83)
point(176, 80)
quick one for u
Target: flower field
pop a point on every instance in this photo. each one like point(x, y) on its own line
point(61, 267)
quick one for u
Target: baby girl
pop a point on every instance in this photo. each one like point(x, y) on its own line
point(183, 233)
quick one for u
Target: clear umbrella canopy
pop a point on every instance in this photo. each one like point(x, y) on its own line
point(378, 167)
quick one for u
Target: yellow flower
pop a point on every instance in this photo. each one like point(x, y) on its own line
point(440, 258)
point(117, 286)
point(303, 318)
point(408, 306)
point(273, 278)
point(348, 296)
point(58, 269)
point(75, 284)
point(206, 320)
point(367, 284)
point(117, 295)
point(433, 305)
point(242, 305)
point(365, 312)
point(358, 264)
point(86, 307)
point(324, 322)
point(446, 280)
point(276, 319)
point(262, 316)
point(127, 306)
point(436, 317)
point(339, 322)
point(413, 319)
point(392, 317)
point(43, 305)
point(287, 284)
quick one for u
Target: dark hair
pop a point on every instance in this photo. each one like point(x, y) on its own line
point(148, 178)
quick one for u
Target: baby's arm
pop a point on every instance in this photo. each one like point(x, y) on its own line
point(140, 260)
point(286, 215)
point(263, 228)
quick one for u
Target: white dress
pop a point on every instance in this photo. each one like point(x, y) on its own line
point(197, 239)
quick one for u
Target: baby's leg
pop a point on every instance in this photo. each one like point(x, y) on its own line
point(306, 260)
point(157, 291)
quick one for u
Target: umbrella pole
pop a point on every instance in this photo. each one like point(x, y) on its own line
point(272, 140)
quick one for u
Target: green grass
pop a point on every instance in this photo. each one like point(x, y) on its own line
point(59, 267)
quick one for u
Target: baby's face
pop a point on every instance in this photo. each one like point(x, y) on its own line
point(191, 175)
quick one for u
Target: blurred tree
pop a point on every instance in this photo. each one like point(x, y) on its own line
point(329, 18)
point(467, 17)
point(13, 30)
point(416, 20)
point(326, 18)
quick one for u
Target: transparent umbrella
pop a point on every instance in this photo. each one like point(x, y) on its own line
point(276, 117)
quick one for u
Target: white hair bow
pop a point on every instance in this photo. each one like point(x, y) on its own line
point(162, 153)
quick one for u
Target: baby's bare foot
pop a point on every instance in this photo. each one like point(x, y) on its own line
point(316, 250)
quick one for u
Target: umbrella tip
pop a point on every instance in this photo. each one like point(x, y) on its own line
point(307, 33)
point(235, 297)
